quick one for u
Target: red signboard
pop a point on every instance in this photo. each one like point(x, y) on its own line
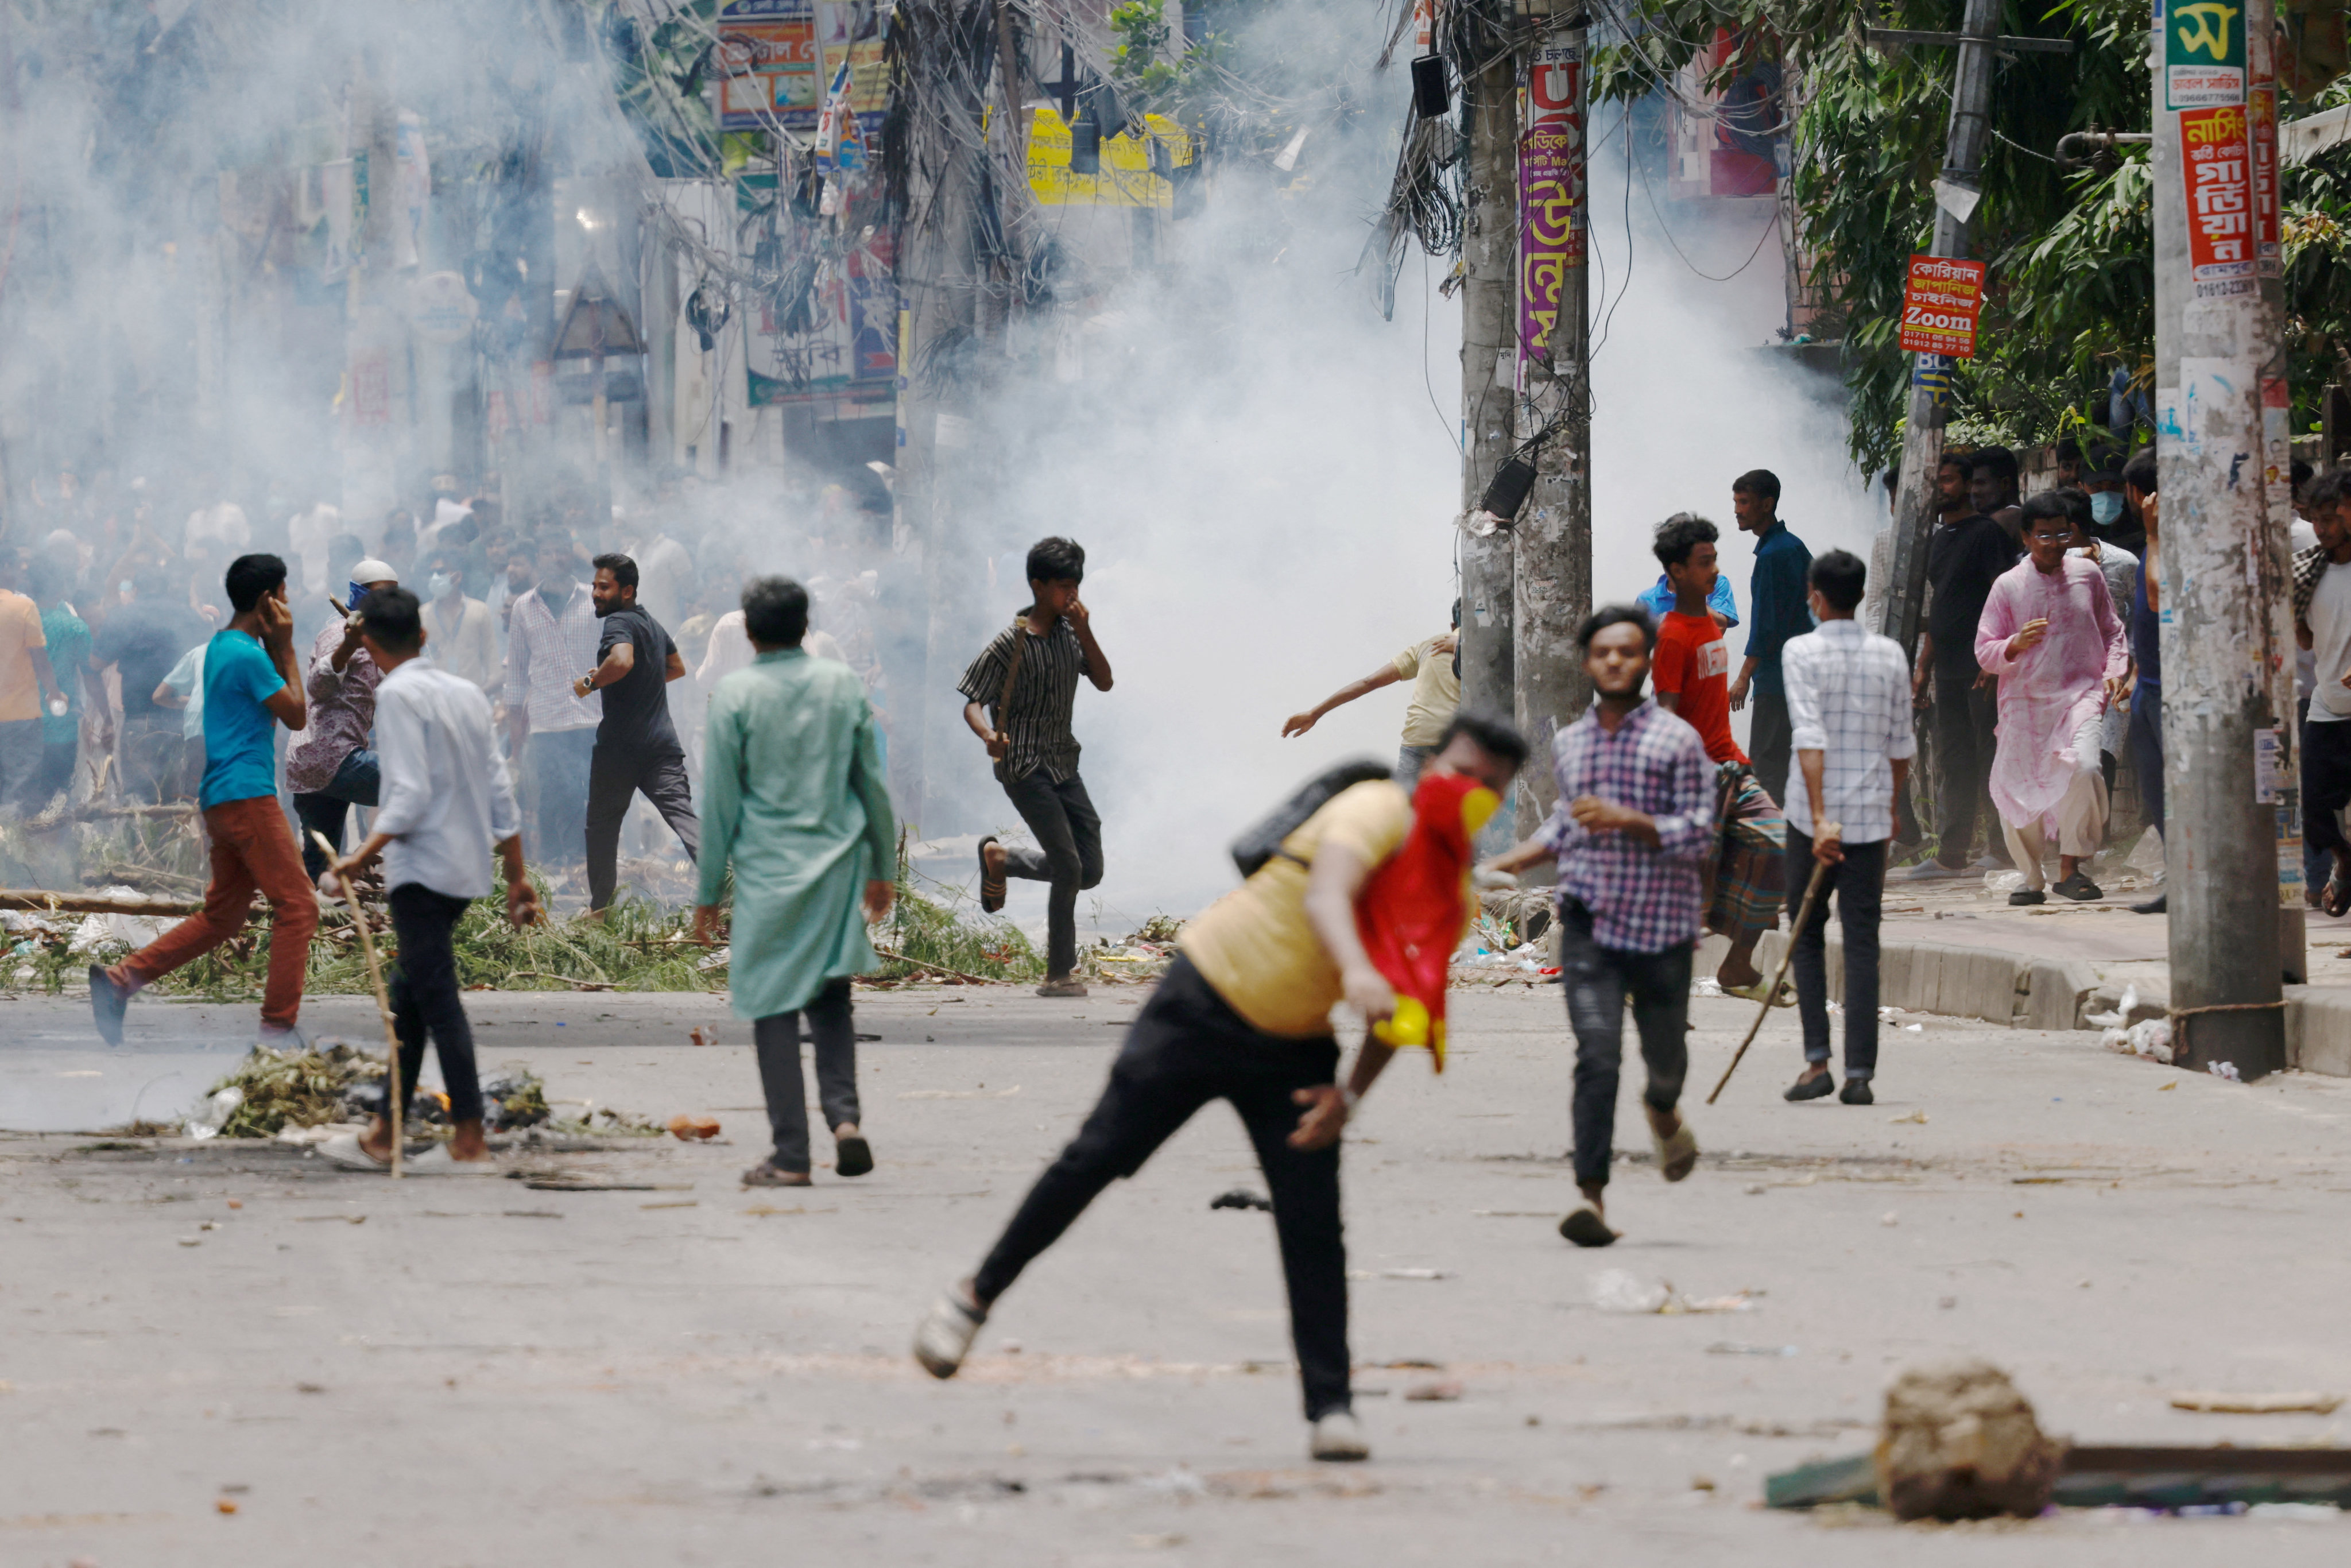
point(1941, 300)
point(2217, 163)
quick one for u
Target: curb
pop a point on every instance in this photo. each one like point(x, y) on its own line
point(2025, 992)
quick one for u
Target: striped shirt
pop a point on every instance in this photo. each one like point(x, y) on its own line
point(1642, 899)
point(546, 652)
point(1042, 695)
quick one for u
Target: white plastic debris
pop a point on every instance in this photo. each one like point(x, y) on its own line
point(2120, 1017)
point(2150, 1038)
point(2003, 881)
point(1615, 1290)
point(214, 1114)
point(2227, 1069)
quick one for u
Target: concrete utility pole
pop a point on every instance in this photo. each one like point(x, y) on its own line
point(2221, 435)
point(1552, 553)
point(1489, 384)
point(1922, 437)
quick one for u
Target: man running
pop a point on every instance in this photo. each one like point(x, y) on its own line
point(1433, 667)
point(797, 801)
point(446, 804)
point(1018, 697)
point(252, 684)
point(2050, 634)
point(1243, 1015)
point(1632, 830)
point(1849, 701)
point(1691, 671)
point(636, 745)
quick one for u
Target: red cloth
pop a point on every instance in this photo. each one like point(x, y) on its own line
point(1692, 664)
point(1415, 905)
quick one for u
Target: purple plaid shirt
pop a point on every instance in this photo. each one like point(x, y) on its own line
point(1643, 900)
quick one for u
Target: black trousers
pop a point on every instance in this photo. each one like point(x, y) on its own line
point(1859, 883)
point(1598, 980)
point(425, 997)
point(1068, 854)
point(358, 780)
point(1185, 1048)
point(2325, 784)
point(615, 775)
point(2145, 739)
point(833, 1031)
point(1769, 738)
point(1966, 716)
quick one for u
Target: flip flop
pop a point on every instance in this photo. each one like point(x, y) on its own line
point(344, 1150)
point(439, 1162)
point(2337, 898)
point(991, 885)
point(1784, 997)
point(852, 1156)
point(1586, 1229)
point(1677, 1155)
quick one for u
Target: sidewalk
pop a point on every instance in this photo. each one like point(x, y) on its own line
point(1960, 948)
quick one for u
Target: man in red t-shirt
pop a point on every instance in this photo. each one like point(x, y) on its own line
point(1691, 673)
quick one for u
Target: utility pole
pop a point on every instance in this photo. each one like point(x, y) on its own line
point(2226, 507)
point(1552, 551)
point(1955, 202)
point(1489, 384)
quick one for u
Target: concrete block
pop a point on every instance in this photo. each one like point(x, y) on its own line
point(2056, 993)
point(2319, 1030)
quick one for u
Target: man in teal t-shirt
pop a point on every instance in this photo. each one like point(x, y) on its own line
point(251, 685)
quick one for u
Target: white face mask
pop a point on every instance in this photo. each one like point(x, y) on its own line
point(438, 584)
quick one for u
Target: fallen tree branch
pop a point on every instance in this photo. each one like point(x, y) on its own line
point(936, 968)
point(42, 902)
point(565, 980)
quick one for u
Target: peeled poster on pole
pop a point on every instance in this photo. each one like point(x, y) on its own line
point(1942, 299)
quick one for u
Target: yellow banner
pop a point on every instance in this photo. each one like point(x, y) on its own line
point(1125, 180)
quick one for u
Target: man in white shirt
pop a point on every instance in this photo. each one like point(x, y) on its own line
point(1849, 717)
point(2322, 607)
point(462, 633)
point(446, 802)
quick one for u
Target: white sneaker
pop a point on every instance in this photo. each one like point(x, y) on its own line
point(1339, 1436)
point(944, 1336)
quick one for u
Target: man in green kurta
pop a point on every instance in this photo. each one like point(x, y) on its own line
point(794, 798)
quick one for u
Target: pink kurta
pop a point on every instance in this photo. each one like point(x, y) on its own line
point(2050, 693)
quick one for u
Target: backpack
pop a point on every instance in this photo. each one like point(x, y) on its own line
point(1262, 841)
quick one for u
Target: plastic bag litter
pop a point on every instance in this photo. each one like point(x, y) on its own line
point(2003, 881)
point(2150, 1038)
point(1616, 1291)
point(215, 1111)
point(2227, 1069)
point(2120, 1017)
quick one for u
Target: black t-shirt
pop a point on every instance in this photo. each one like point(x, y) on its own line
point(636, 706)
point(1963, 560)
point(146, 638)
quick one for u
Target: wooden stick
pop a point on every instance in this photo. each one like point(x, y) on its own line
point(43, 902)
point(392, 1099)
point(935, 969)
point(1803, 918)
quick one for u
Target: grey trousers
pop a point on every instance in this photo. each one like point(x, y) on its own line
point(778, 1038)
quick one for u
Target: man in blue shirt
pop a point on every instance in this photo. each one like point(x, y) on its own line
point(1658, 601)
point(1777, 593)
point(252, 685)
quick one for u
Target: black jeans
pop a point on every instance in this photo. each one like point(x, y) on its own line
point(357, 780)
point(1185, 1048)
point(614, 776)
point(2325, 784)
point(834, 1031)
point(1768, 736)
point(1598, 980)
point(1859, 883)
point(2145, 740)
point(1067, 855)
point(1966, 716)
point(425, 997)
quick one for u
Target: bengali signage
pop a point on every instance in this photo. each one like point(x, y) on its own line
point(775, 57)
point(1550, 191)
point(2262, 107)
point(1942, 299)
point(2204, 54)
point(2217, 164)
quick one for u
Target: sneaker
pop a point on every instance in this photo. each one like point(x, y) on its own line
point(2158, 904)
point(1811, 1088)
point(1338, 1435)
point(944, 1336)
point(108, 1002)
point(1067, 985)
point(2028, 895)
point(1856, 1093)
point(2079, 888)
point(291, 1040)
point(1932, 871)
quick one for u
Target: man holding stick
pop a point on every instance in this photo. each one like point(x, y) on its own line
point(799, 803)
point(252, 683)
point(1849, 704)
point(446, 802)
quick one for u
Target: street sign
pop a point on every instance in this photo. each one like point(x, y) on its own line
point(1941, 300)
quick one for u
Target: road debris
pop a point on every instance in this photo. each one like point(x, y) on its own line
point(1960, 1441)
point(2306, 1401)
point(1616, 1291)
point(687, 1129)
point(1443, 1390)
point(1241, 1197)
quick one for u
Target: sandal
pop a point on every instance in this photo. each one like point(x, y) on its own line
point(991, 883)
point(767, 1174)
point(2336, 901)
point(1677, 1155)
point(345, 1150)
point(1785, 997)
point(852, 1155)
point(1586, 1229)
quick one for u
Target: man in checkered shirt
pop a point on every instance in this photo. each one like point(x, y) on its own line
point(1633, 829)
point(1849, 706)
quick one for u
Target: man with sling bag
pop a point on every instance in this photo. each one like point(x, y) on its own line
point(1028, 676)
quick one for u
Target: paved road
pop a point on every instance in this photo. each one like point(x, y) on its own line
point(472, 1372)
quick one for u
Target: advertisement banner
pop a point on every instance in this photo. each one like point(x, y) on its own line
point(2262, 108)
point(1942, 299)
point(2204, 54)
point(2216, 160)
point(1551, 190)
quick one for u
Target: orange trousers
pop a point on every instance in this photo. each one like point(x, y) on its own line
point(252, 848)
